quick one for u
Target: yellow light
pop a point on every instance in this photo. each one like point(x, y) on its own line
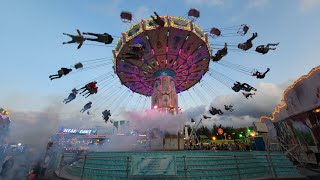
point(317, 110)
point(283, 103)
point(214, 138)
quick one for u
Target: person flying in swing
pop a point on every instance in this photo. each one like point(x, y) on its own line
point(86, 107)
point(243, 29)
point(158, 20)
point(220, 53)
point(106, 114)
point(61, 72)
point(91, 91)
point(248, 44)
point(215, 111)
point(134, 56)
point(137, 48)
point(89, 86)
point(259, 75)
point(265, 49)
point(103, 38)
point(228, 107)
point(247, 87)
point(75, 39)
point(247, 95)
point(136, 51)
point(71, 96)
point(236, 86)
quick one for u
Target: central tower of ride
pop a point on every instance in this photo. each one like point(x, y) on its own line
point(164, 96)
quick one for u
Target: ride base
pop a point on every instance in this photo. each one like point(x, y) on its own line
point(177, 165)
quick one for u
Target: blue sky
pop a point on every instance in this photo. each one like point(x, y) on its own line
point(31, 41)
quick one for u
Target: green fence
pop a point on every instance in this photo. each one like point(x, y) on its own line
point(176, 165)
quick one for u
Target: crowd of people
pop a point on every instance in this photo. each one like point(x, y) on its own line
point(225, 146)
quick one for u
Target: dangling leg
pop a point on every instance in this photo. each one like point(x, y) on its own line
point(90, 39)
point(153, 18)
point(79, 33)
point(88, 95)
point(69, 100)
point(83, 91)
point(80, 44)
point(69, 42)
point(81, 88)
point(156, 14)
point(65, 100)
point(68, 35)
point(57, 77)
point(270, 44)
point(252, 38)
point(266, 72)
point(254, 35)
point(89, 33)
point(271, 48)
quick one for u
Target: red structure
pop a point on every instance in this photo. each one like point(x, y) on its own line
point(176, 58)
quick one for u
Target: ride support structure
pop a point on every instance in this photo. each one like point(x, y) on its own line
point(164, 97)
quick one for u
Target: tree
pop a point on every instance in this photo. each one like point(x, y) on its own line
point(203, 130)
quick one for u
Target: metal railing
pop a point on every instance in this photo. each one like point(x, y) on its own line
point(236, 166)
point(294, 151)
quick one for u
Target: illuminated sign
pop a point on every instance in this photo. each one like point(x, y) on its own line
point(78, 131)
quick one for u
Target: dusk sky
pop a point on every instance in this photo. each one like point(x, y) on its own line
point(31, 49)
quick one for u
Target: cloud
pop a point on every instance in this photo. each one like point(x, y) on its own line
point(306, 5)
point(245, 111)
point(209, 3)
point(266, 98)
point(231, 121)
point(257, 3)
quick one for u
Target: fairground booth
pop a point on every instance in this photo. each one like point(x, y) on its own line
point(295, 123)
point(73, 139)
